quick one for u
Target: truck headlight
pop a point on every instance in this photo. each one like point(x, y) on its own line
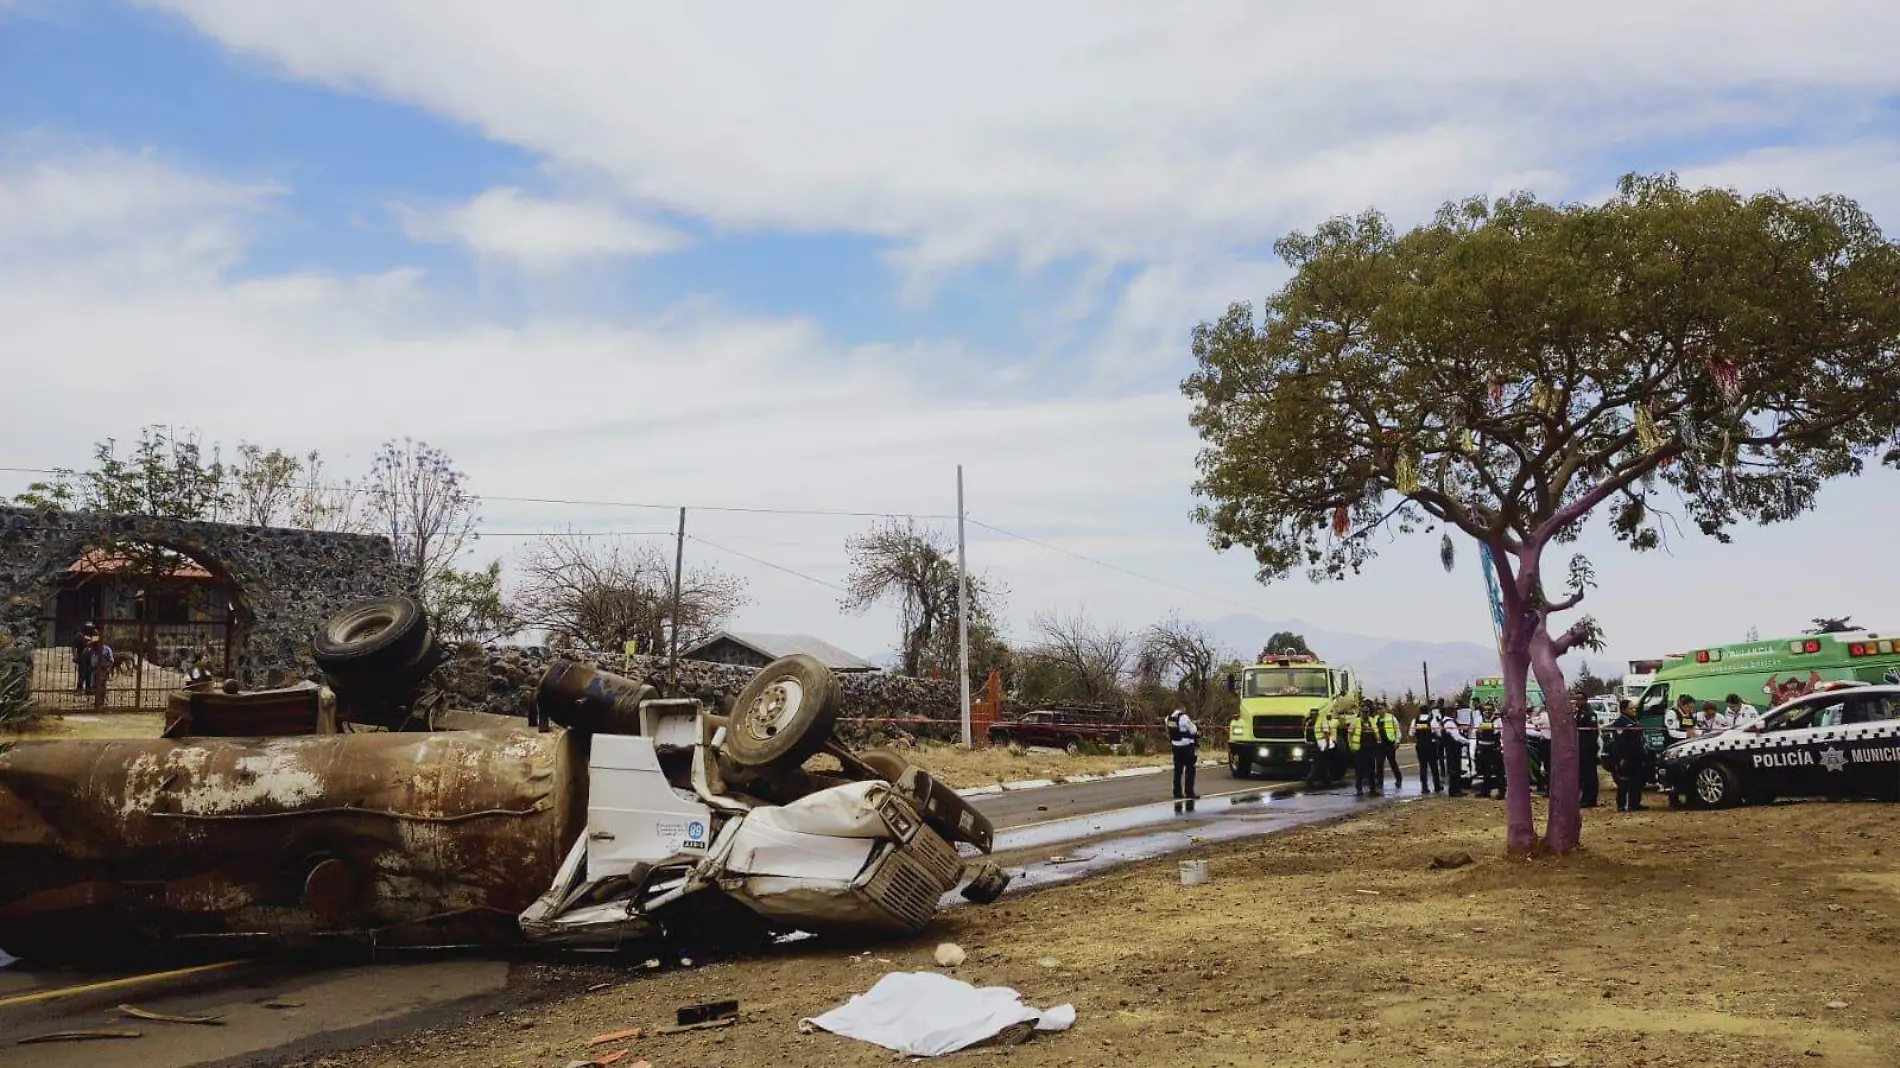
point(1236, 731)
point(1299, 751)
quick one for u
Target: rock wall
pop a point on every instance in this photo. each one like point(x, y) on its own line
point(283, 582)
point(501, 679)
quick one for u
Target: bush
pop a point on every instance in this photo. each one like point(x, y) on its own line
point(14, 696)
point(1138, 743)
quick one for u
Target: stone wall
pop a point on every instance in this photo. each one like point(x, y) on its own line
point(501, 679)
point(283, 582)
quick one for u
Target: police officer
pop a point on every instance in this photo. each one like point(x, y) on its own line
point(1363, 742)
point(1185, 738)
point(1587, 757)
point(1319, 741)
point(1679, 722)
point(1425, 732)
point(1388, 725)
point(1629, 757)
point(1537, 747)
point(1490, 756)
point(1452, 745)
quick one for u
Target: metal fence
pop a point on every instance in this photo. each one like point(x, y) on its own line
point(150, 662)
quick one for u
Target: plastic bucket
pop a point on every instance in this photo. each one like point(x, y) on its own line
point(1193, 872)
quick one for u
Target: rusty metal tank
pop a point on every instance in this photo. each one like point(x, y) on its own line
point(409, 839)
point(585, 698)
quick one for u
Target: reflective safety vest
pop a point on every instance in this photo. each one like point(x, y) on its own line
point(1358, 732)
point(1388, 727)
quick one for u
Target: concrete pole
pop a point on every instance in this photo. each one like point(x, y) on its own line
point(679, 574)
point(963, 614)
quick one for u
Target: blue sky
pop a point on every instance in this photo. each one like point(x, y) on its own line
point(815, 260)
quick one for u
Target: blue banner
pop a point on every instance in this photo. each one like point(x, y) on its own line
point(1497, 598)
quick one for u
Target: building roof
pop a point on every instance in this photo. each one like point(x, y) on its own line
point(773, 646)
point(102, 562)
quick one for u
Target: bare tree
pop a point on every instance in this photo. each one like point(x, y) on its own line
point(601, 594)
point(913, 565)
point(418, 497)
point(1183, 656)
point(315, 504)
point(1086, 661)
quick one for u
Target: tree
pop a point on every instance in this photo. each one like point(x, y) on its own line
point(599, 594)
point(1183, 656)
point(316, 504)
point(1287, 643)
point(913, 565)
point(263, 486)
point(1589, 684)
point(167, 473)
point(418, 498)
point(470, 607)
point(1830, 625)
point(1512, 367)
point(1079, 660)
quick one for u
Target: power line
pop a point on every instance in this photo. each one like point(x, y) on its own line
point(768, 563)
point(1112, 567)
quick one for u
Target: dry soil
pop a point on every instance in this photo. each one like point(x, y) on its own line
point(1758, 937)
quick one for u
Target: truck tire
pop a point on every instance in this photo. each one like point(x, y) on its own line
point(785, 714)
point(1239, 764)
point(371, 640)
point(1073, 747)
point(1713, 784)
point(989, 884)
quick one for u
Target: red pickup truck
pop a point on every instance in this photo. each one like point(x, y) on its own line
point(1059, 729)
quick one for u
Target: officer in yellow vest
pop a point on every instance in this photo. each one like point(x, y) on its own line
point(1320, 732)
point(1362, 739)
point(1388, 725)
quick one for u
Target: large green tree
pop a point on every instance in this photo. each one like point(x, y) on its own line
point(1512, 368)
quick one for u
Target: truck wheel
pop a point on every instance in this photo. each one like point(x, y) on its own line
point(785, 714)
point(1713, 784)
point(1239, 765)
point(378, 637)
point(1073, 747)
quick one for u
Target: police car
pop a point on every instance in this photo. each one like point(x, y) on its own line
point(1841, 741)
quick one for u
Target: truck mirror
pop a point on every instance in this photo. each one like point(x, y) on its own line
point(1233, 683)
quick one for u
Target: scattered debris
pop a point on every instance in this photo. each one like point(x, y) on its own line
point(283, 1003)
point(708, 1013)
point(78, 1036)
point(598, 987)
point(160, 1017)
point(1245, 799)
point(1064, 859)
point(605, 1059)
point(1836, 908)
point(1837, 1004)
point(1048, 962)
point(1194, 872)
point(1447, 861)
point(7, 960)
point(925, 1014)
point(616, 1036)
point(709, 1025)
point(949, 955)
point(1374, 893)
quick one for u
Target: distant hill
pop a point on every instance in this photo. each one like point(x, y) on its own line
point(1386, 665)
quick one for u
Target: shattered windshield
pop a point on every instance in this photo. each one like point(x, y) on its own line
point(1288, 682)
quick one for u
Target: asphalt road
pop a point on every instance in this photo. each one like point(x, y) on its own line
point(281, 1012)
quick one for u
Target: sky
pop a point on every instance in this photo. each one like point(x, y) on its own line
point(812, 257)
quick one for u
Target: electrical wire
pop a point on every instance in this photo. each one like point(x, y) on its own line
point(1112, 567)
point(768, 563)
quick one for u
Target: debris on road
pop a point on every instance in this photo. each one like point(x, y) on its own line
point(161, 1017)
point(924, 1014)
point(77, 1036)
point(616, 1036)
point(949, 955)
point(710, 1012)
point(7, 960)
point(1447, 861)
point(281, 1003)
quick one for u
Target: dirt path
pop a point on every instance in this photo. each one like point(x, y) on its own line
point(1677, 939)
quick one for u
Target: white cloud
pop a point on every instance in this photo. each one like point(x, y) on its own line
point(1868, 171)
point(1129, 131)
point(504, 223)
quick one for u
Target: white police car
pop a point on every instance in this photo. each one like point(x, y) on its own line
point(1843, 741)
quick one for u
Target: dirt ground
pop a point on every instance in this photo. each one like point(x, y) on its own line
point(964, 768)
point(82, 726)
point(1756, 938)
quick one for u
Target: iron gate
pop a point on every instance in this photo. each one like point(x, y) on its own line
point(151, 660)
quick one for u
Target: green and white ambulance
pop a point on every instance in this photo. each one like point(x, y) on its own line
point(1767, 674)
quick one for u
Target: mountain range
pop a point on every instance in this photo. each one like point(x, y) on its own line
point(1386, 665)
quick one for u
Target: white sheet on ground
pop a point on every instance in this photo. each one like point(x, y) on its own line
point(925, 1014)
point(6, 958)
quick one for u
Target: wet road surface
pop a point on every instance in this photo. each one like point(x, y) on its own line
point(1048, 836)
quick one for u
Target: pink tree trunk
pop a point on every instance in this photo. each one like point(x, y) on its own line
point(1563, 829)
point(1520, 829)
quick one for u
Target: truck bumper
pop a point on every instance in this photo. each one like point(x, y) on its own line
point(1273, 754)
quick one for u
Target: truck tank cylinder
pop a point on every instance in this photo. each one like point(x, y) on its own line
point(419, 838)
point(585, 698)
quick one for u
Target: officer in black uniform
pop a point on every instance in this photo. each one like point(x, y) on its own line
point(1587, 757)
point(1185, 738)
point(1431, 766)
point(1490, 757)
point(1319, 771)
point(1629, 760)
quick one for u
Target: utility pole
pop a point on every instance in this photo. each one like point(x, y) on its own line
point(679, 573)
point(963, 614)
point(1426, 667)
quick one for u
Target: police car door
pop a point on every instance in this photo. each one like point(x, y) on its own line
point(1871, 739)
point(1791, 759)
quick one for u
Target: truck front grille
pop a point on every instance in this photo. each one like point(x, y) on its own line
point(1275, 728)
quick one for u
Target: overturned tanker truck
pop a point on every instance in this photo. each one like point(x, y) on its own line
point(615, 818)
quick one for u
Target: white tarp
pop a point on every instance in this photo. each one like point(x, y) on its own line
point(924, 1014)
point(6, 959)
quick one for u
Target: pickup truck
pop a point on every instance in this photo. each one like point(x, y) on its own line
point(1060, 729)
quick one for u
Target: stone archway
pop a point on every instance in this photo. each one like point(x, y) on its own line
point(282, 582)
